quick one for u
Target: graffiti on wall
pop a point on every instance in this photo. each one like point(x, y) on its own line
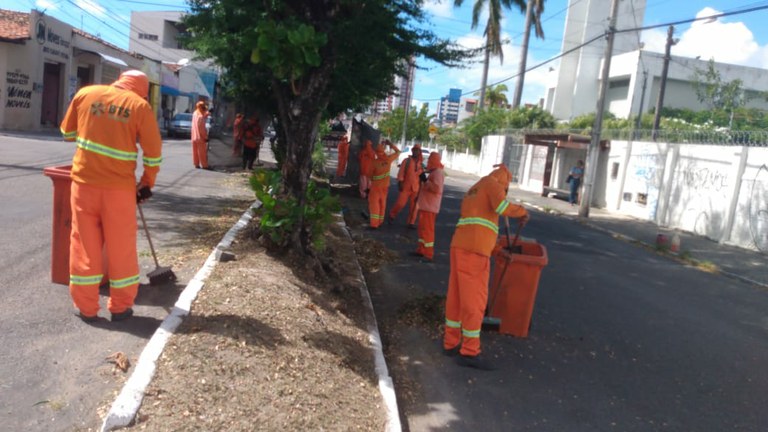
point(758, 214)
point(18, 94)
point(704, 179)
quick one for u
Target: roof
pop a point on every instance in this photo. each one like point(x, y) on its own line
point(14, 26)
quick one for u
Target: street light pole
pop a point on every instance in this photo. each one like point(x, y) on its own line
point(663, 83)
point(594, 145)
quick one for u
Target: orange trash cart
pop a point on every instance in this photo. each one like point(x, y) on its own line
point(62, 222)
point(514, 283)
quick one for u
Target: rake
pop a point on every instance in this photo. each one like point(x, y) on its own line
point(159, 275)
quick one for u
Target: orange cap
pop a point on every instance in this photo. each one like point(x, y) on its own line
point(135, 81)
point(434, 161)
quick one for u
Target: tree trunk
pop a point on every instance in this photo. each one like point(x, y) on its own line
point(300, 116)
point(485, 73)
point(523, 56)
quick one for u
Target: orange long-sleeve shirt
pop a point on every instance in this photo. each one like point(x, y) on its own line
point(409, 172)
point(381, 167)
point(106, 122)
point(199, 133)
point(478, 226)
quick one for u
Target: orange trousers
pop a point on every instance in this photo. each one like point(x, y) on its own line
point(466, 300)
point(377, 205)
point(365, 184)
point(426, 231)
point(103, 218)
point(199, 154)
point(342, 165)
point(406, 197)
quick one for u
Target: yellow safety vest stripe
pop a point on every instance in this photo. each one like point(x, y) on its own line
point(470, 333)
point(85, 280)
point(502, 207)
point(68, 135)
point(379, 177)
point(122, 283)
point(426, 243)
point(106, 150)
point(479, 221)
point(452, 324)
point(152, 162)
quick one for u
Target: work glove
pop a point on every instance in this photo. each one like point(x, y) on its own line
point(142, 194)
point(423, 177)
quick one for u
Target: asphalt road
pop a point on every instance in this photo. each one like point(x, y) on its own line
point(622, 339)
point(53, 374)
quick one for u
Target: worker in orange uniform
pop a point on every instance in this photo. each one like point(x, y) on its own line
point(200, 136)
point(106, 121)
point(343, 149)
point(473, 241)
point(429, 205)
point(408, 185)
point(366, 158)
point(237, 132)
point(253, 135)
point(377, 198)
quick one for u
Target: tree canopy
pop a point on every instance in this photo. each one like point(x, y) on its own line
point(308, 58)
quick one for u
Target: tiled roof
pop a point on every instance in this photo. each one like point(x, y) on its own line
point(14, 26)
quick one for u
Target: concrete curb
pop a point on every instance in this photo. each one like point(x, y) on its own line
point(386, 385)
point(630, 239)
point(127, 404)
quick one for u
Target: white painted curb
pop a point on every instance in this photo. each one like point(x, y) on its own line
point(386, 385)
point(126, 405)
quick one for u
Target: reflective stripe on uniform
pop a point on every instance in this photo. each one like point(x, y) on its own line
point(375, 216)
point(106, 150)
point(69, 135)
point(152, 162)
point(122, 283)
point(502, 206)
point(426, 243)
point(452, 324)
point(470, 333)
point(479, 221)
point(85, 280)
point(379, 177)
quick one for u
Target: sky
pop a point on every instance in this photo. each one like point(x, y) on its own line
point(739, 39)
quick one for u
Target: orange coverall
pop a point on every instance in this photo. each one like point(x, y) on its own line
point(377, 198)
point(106, 121)
point(409, 186)
point(473, 241)
point(366, 157)
point(199, 136)
point(343, 149)
point(237, 130)
point(429, 206)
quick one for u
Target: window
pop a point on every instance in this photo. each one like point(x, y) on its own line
point(615, 171)
point(148, 36)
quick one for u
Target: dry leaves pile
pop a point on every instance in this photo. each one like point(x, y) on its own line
point(270, 345)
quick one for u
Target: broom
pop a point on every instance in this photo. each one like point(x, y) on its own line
point(159, 275)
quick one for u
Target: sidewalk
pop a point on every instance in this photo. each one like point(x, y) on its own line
point(743, 264)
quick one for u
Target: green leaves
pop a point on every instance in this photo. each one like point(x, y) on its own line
point(280, 214)
point(289, 48)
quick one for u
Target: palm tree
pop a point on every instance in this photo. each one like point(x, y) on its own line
point(532, 17)
point(496, 97)
point(492, 32)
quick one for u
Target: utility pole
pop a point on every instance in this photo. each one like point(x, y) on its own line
point(523, 60)
point(594, 146)
point(407, 104)
point(642, 99)
point(663, 84)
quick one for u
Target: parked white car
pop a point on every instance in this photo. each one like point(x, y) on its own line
point(407, 153)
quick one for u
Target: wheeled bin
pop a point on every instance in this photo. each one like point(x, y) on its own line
point(514, 283)
point(62, 222)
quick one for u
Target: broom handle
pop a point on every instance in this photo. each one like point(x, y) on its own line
point(149, 239)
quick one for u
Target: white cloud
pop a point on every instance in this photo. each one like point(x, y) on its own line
point(45, 5)
point(92, 6)
point(725, 42)
point(440, 8)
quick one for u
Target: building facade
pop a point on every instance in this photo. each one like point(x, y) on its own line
point(183, 81)
point(448, 108)
point(45, 61)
